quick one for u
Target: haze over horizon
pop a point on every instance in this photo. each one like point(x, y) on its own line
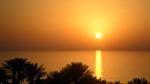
point(72, 24)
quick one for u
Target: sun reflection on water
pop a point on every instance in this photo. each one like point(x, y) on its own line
point(98, 69)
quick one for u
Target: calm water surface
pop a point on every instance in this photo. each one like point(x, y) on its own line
point(110, 65)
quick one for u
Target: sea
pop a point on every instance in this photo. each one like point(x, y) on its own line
point(110, 65)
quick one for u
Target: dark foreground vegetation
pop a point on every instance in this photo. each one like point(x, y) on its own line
point(22, 71)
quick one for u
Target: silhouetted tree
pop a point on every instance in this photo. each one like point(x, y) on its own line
point(71, 74)
point(74, 72)
point(138, 81)
point(56, 77)
point(88, 80)
point(100, 81)
point(117, 82)
point(16, 68)
point(34, 73)
point(3, 77)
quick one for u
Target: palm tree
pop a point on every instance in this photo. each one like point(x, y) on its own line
point(117, 82)
point(34, 73)
point(101, 81)
point(3, 77)
point(56, 77)
point(16, 68)
point(138, 81)
point(76, 71)
point(88, 80)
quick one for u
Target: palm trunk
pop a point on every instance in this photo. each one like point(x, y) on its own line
point(31, 81)
point(13, 78)
point(20, 81)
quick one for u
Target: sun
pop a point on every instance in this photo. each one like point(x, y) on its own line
point(98, 35)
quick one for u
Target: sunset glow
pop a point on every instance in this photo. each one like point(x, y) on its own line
point(98, 69)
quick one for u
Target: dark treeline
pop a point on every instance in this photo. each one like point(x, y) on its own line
point(20, 70)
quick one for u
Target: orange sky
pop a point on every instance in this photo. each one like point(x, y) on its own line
point(72, 24)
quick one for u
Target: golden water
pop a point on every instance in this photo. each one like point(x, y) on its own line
point(98, 69)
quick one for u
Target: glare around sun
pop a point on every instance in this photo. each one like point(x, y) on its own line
point(98, 35)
